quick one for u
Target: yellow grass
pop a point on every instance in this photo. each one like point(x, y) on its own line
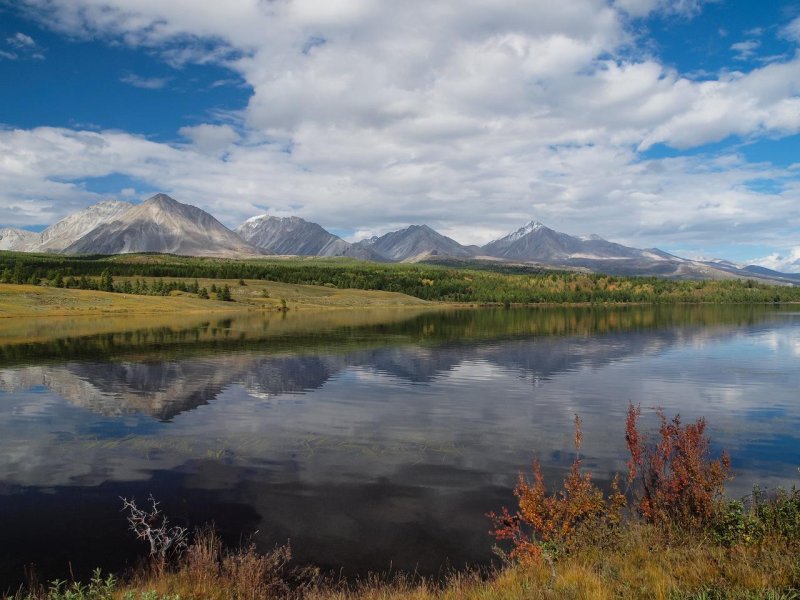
point(640, 564)
point(34, 301)
point(302, 296)
point(30, 313)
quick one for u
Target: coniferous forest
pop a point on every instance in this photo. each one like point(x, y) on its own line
point(483, 283)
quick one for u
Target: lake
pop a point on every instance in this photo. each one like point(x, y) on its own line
point(368, 439)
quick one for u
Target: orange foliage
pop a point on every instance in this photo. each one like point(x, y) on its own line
point(544, 518)
point(677, 480)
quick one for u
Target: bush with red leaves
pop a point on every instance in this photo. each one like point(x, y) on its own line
point(673, 477)
point(546, 519)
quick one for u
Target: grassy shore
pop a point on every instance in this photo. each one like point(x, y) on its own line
point(638, 561)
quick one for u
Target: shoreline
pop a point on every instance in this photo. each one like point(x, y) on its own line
point(36, 301)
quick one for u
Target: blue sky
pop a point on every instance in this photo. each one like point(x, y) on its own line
point(97, 84)
point(652, 123)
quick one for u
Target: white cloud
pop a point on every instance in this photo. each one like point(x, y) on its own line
point(746, 49)
point(147, 83)
point(642, 8)
point(21, 40)
point(471, 116)
point(210, 138)
point(637, 8)
point(792, 30)
point(21, 46)
point(763, 101)
point(577, 189)
point(787, 262)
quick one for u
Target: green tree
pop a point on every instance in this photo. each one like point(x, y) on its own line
point(106, 281)
point(224, 293)
point(19, 272)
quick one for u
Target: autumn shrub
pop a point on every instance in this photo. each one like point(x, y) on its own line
point(674, 478)
point(544, 523)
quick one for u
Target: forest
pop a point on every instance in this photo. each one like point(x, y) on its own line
point(486, 284)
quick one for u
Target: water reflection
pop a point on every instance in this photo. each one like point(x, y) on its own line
point(371, 438)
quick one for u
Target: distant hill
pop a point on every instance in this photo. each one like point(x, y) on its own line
point(416, 243)
point(764, 272)
point(20, 240)
point(296, 236)
point(65, 232)
point(537, 243)
point(162, 224)
point(290, 235)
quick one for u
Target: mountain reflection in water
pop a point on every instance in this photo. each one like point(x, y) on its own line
point(367, 439)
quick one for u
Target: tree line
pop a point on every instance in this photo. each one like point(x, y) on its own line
point(489, 285)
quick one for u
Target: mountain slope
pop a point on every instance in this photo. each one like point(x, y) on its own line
point(537, 243)
point(296, 236)
point(21, 240)
point(291, 235)
point(70, 229)
point(415, 243)
point(162, 224)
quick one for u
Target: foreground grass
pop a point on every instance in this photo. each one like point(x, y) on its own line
point(637, 562)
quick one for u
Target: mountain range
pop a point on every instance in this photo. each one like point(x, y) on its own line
point(164, 225)
point(294, 236)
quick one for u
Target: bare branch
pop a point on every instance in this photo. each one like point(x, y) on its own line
point(152, 526)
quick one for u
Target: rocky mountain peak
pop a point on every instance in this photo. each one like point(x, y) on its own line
point(162, 224)
point(531, 227)
point(65, 232)
point(291, 236)
point(162, 200)
point(415, 242)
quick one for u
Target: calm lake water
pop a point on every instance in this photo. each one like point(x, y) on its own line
point(370, 440)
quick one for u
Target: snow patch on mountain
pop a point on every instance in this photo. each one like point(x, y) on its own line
point(523, 231)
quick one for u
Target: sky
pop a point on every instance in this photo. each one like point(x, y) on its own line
point(653, 123)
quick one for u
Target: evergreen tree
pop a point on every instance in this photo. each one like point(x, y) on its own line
point(19, 272)
point(106, 281)
point(224, 293)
